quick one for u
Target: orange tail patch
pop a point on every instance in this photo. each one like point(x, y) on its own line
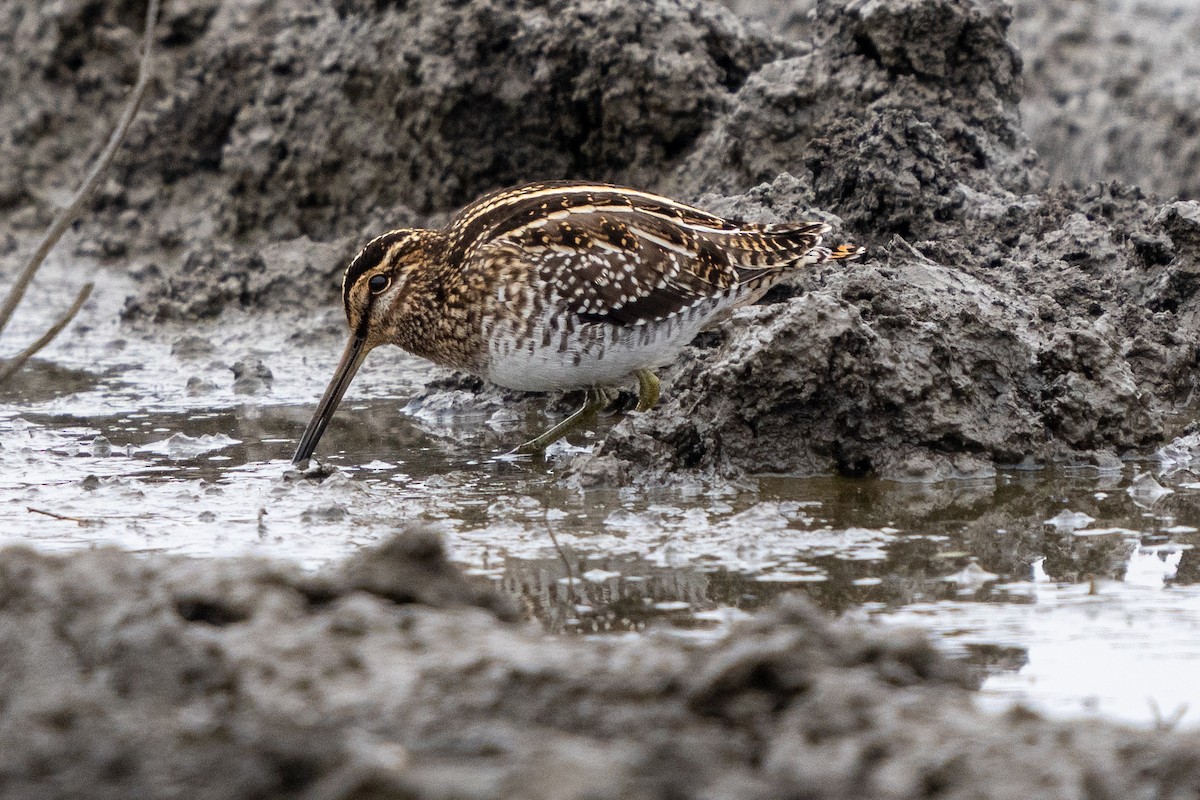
point(847, 251)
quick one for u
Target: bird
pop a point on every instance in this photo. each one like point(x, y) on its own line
point(560, 286)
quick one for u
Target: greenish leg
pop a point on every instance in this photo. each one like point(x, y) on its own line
point(647, 389)
point(594, 400)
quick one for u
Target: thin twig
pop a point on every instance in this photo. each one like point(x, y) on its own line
point(14, 364)
point(52, 515)
point(1166, 724)
point(566, 563)
point(913, 250)
point(69, 214)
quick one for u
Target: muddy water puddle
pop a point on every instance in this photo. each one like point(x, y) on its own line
point(1077, 591)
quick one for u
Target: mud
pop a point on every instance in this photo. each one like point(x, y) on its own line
point(996, 321)
point(1111, 92)
point(1108, 89)
point(389, 677)
point(1011, 312)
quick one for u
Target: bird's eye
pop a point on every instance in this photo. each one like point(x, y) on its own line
point(378, 283)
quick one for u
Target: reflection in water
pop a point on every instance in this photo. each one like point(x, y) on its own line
point(1073, 590)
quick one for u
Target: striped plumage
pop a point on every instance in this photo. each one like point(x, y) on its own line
point(556, 286)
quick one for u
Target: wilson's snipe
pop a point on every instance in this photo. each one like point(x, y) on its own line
point(557, 286)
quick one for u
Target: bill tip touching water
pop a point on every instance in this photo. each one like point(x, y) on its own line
point(561, 286)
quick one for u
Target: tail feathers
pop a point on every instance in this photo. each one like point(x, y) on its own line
point(847, 252)
point(756, 280)
point(780, 246)
point(819, 255)
point(775, 245)
point(811, 256)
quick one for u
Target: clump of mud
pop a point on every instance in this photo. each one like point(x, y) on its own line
point(1112, 91)
point(996, 320)
point(1108, 89)
point(936, 361)
point(391, 677)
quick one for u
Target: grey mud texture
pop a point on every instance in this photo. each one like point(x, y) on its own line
point(390, 677)
point(1009, 312)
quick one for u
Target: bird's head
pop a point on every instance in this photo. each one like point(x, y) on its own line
point(376, 287)
point(376, 293)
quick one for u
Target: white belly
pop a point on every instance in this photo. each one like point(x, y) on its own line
point(596, 354)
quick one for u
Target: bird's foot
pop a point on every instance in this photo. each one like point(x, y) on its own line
point(595, 400)
point(648, 389)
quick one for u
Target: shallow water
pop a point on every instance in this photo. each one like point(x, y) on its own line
point(1078, 591)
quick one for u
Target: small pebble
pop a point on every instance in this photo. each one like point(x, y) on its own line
point(251, 376)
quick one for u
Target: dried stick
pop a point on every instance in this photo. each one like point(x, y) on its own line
point(14, 364)
point(69, 214)
point(52, 515)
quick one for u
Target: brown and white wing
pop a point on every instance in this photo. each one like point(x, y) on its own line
point(632, 266)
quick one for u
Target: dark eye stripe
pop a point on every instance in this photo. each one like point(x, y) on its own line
point(369, 258)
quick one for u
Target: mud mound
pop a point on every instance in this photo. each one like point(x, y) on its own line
point(991, 324)
point(130, 677)
point(995, 320)
point(1018, 344)
point(298, 119)
point(1111, 92)
point(893, 111)
point(1108, 89)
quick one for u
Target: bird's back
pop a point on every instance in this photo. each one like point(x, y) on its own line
point(588, 282)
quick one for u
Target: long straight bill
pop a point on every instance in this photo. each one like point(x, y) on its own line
point(352, 359)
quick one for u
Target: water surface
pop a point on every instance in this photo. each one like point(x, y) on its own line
point(1078, 591)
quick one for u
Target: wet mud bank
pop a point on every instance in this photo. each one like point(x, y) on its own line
point(1009, 313)
point(998, 319)
point(391, 676)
